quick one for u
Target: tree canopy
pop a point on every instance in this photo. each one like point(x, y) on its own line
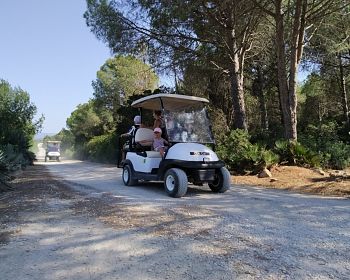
point(17, 126)
point(175, 34)
point(118, 79)
point(244, 56)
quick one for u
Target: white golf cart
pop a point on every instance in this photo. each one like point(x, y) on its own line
point(188, 159)
point(53, 150)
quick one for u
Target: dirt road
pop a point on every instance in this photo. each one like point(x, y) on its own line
point(93, 227)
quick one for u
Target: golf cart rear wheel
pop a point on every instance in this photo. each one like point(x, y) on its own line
point(175, 182)
point(128, 176)
point(222, 181)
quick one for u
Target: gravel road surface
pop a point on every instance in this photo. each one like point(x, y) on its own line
point(119, 232)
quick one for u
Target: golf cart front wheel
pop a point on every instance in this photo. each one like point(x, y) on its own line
point(222, 181)
point(128, 176)
point(175, 182)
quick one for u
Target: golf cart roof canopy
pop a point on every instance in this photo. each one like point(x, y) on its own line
point(167, 101)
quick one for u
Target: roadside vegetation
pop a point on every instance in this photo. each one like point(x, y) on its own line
point(17, 129)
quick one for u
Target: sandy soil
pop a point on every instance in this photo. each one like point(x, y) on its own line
point(303, 180)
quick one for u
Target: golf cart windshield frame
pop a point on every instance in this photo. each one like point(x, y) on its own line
point(186, 118)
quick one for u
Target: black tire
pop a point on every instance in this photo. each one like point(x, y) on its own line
point(58, 159)
point(175, 182)
point(128, 176)
point(45, 158)
point(222, 181)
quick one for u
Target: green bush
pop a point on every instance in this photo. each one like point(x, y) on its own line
point(296, 154)
point(80, 151)
point(324, 140)
point(242, 156)
point(14, 158)
point(336, 155)
point(68, 153)
point(11, 159)
point(4, 168)
point(269, 157)
point(316, 138)
point(103, 148)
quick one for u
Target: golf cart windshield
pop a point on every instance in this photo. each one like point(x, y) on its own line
point(185, 117)
point(53, 146)
point(190, 124)
point(53, 149)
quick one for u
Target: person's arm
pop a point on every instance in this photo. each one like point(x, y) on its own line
point(129, 133)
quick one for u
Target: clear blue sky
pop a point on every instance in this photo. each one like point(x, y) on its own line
point(47, 50)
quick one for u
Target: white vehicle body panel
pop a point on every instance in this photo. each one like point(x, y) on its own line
point(143, 164)
point(191, 152)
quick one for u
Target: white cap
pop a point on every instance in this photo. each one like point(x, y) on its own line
point(137, 120)
point(157, 129)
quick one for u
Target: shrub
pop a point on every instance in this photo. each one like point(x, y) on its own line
point(11, 160)
point(242, 156)
point(324, 140)
point(103, 148)
point(317, 138)
point(80, 151)
point(4, 168)
point(68, 153)
point(336, 155)
point(269, 157)
point(295, 153)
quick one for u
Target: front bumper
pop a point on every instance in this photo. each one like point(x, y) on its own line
point(53, 154)
point(196, 171)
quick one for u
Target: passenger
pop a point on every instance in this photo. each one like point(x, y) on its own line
point(159, 142)
point(158, 119)
point(159, 122)
point(130, 134)
point(136, 126)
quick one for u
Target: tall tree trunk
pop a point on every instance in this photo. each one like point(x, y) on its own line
point(237, 78)
point(282, 73)
point(343, 90)
point(262, 104)
point(295, 56)
point(237, 92)
point(287, 87)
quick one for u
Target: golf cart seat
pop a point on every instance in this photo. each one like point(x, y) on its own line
point(144, 138)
